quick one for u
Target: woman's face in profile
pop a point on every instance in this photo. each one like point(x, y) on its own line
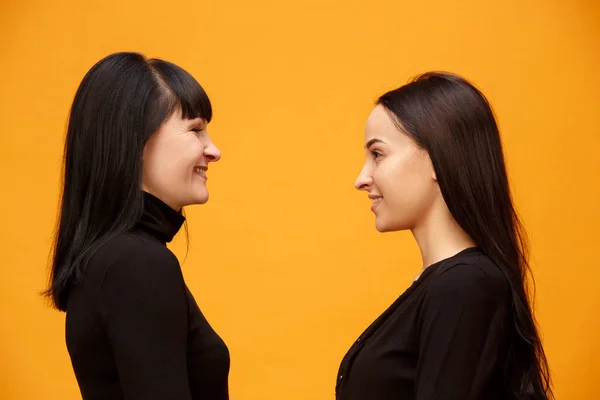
point(397, 174)
point(176, 159)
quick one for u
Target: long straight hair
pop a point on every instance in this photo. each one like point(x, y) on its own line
point(122, 100)
point(453, 121)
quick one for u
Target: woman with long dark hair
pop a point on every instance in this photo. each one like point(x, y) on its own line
point(136, 153)
point(464, 330)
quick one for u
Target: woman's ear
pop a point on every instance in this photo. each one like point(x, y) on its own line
point(433, 174)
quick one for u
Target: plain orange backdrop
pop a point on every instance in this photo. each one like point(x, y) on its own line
point(284, 259)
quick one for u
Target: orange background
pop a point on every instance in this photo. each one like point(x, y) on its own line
point(285, 261)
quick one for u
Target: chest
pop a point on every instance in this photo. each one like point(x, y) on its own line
point(382, 362)
point(205, 348)
point(208, 358)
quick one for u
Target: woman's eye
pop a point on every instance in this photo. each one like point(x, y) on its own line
point(375, 154)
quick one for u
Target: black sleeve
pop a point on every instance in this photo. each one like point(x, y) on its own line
point(145, 311)
point(461, 330)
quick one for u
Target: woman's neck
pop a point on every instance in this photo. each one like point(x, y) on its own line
point(439, 236)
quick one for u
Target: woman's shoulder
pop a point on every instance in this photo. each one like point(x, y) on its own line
point(469, 276)
point(130, 256)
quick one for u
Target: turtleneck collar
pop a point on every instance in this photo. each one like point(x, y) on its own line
point(159, 219)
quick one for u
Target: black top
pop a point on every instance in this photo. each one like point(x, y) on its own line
point(445, 338)
point(133, 328)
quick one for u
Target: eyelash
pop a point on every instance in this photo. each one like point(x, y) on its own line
point(375, 154)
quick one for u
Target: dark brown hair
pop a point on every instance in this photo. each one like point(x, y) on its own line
point(451, 119)
point(122, 100)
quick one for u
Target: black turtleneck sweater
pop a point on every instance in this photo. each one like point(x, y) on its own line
point(134, 330)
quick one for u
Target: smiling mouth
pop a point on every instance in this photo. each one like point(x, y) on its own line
point(200, 171)
point(375, 202)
